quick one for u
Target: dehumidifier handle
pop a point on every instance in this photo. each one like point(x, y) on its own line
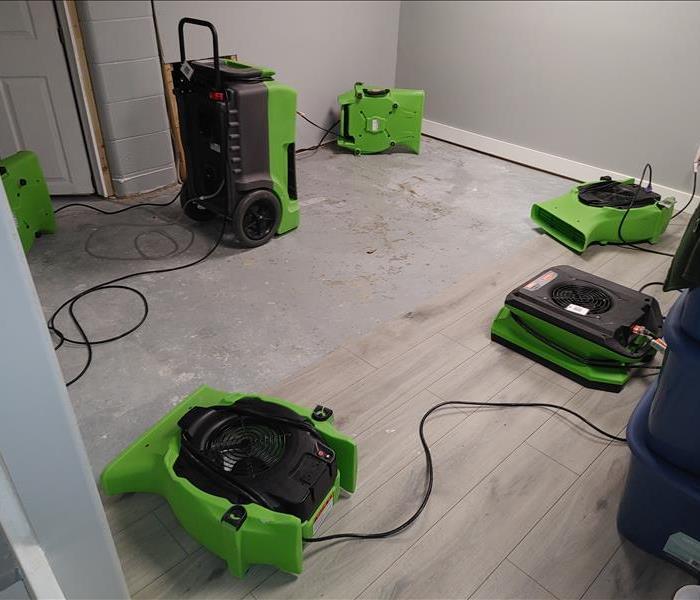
point(214, 41)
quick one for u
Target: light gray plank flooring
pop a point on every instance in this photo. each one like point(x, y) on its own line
point(477, 531)
point(508, 582)
point(524, 501)
point(203, 575)
point(392, 385)
point(146, 549)
point(567, 549)
point(393, 338)
point(332, 374)
point(632, 574)
point(570, 441)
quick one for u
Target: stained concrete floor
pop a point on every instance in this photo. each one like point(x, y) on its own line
point(379, 235)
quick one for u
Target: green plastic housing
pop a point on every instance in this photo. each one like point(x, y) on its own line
point(265, 537)
point(578, 225)
point(373, 120)
point(28, 195)
point(506, 331)
point(281, 123)
point(267, 72)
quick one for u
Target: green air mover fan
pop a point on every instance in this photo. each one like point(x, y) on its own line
point(580, 325)
point(238, 129)
point(375, 119)
point(28, 195)
point(247, 476)
point(592, 212)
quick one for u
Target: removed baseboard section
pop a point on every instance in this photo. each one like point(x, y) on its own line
point(534, 158)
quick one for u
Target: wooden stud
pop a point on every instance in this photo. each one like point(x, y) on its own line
point(88, 93)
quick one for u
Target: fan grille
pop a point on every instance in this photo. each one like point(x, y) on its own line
point(595, 299)
point(616, 195)
point(246, 447)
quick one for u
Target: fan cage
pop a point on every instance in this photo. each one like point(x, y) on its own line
point(246, 447)
point(615, 194)
point(595, 299)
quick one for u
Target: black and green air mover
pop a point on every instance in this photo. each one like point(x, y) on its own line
point(373, 120)
point(249, 477)
point(28, 196)
point(591, 213)
point(238, 133)
point(589, 329)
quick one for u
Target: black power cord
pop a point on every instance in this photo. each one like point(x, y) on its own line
point(70, 303)
point(646, 285)
point(121, 210)
point(429, 463)
point(692, 193)
point(325, 134)
point(310, 122)
point(623, 242)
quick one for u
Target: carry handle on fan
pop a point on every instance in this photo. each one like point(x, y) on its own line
point(214, 41)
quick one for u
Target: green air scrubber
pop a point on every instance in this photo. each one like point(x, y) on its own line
point(375, 119)
point(28, 195)
point(591, 212)
point(580, 325)
point(247, 476)
point(238, 132)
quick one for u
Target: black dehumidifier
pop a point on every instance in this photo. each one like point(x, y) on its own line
point(238, 131)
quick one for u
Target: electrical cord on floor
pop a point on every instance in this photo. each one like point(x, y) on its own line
point(692, 193)
point(646, 285)
point(121, 210)
point(623, 242)
point(628, 246)
point(310, 122)
point(325, 134)
point(429, 463)
point(70, 303)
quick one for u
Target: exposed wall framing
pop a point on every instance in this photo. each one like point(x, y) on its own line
point(85, 97)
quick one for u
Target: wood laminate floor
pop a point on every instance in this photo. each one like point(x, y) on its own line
point(525, 500)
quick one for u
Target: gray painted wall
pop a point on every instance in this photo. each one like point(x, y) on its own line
point(122, 53)
point(319, 48)
point(613, 84)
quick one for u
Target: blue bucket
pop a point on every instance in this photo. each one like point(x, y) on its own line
point(660, 507)
point(674, 419)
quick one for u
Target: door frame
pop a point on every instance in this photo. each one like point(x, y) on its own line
point(69, 525)
point(72, 38)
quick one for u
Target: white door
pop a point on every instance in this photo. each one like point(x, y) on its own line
point(37, 106)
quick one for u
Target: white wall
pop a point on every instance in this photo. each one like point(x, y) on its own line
point(49, 504)
point(609, 84)
point(319, 48)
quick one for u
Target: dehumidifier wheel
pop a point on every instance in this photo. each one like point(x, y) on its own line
point(256, 218)
point(196, 211)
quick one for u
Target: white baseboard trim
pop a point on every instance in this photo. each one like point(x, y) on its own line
point(534, 158)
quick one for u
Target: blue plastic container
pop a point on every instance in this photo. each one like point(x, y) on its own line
point(660, 508)
point(674, 420)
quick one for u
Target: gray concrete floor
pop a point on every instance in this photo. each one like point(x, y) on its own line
point(379, 235)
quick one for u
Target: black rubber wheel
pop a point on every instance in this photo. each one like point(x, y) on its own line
point(196, 211)
point(257, 218)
